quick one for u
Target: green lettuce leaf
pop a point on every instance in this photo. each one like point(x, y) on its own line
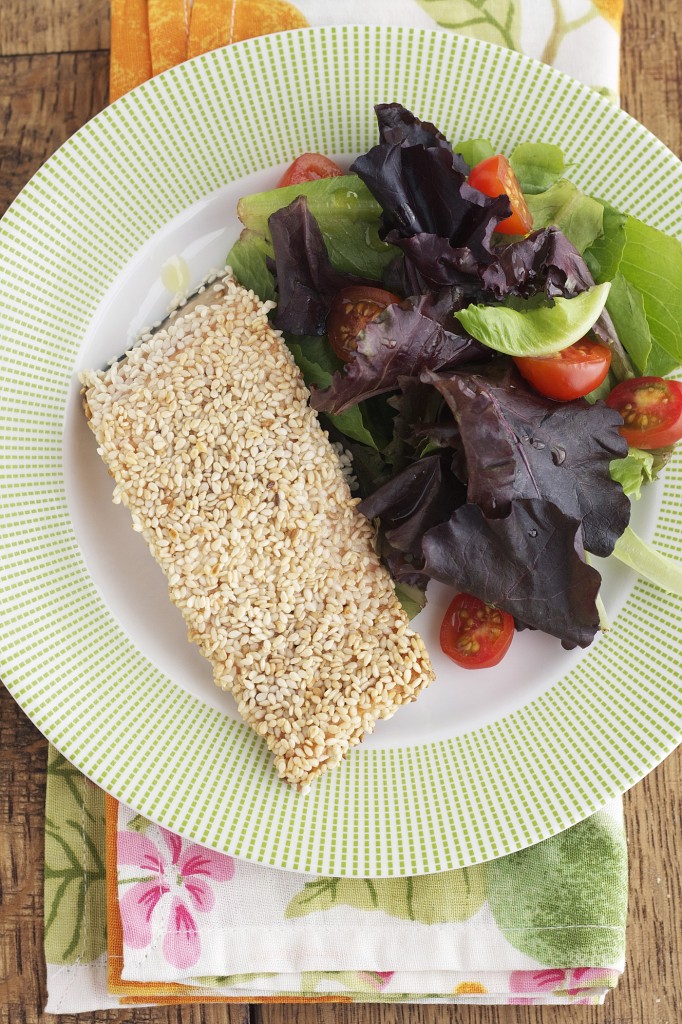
point(652, 263)
point(347, 214)
point(634, 470)
point(579, 217)
point(247, 259)
point(625, 305)
point(536, 331)
point(537, 165)
point(604, 254)
point(411, 598)
point(318, 363)
point(474, 150)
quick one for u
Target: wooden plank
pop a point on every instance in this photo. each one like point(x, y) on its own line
point(53, 26)
point(48, 97)
point(651, 67)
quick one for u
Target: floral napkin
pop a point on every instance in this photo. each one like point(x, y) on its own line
point(137, 915)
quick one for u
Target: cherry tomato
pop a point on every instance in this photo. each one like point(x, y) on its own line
point(350, 312)
point(569, 374)
point(309, 167)
point(652, 410)
point(474, 634)
point(494, 177)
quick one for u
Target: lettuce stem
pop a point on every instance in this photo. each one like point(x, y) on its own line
point(665, 572)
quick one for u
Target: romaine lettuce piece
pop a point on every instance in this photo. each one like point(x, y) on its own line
point(580, 218)
point(625, 305)
point(652, 263)
point(347, 214)
point(247, 258)
point(537, 331)
point(603, 256)
point(634, 470)
point(474, 150)
point(317, 363)
point(537, 165)
point(411, 598)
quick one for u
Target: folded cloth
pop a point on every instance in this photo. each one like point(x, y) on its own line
point(136, 915)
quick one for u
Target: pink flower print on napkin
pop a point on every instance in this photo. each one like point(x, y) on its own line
point(377, 979)
point(181, 877)
point(574, 982)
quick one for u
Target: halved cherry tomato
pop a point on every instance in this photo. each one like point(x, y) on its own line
point(494, 177)
point(474, 634)
point(309, 167)
point(351, 311)
point(652, 410)
point(569, 374)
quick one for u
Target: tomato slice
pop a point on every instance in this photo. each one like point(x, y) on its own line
point(569, 374)
point(309, 167)
point(350, 312)
point(494, 177)
point(474, 634)
point(651, 409)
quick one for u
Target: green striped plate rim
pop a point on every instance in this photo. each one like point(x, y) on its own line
point(394, 811)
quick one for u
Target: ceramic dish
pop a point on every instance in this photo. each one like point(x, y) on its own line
point(91, 648)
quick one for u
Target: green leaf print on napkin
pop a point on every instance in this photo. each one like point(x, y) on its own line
point(138, 824)
point(429, 899)
point(564, 901)
point(497, 21)
point(610, 10)
point(74, 868)
point(227, 980)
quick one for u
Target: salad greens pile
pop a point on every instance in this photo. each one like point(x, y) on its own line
point(476, 480)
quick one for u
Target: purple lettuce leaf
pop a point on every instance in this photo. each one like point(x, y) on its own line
point(530, 563)
point(543, 261)
point(423, 495)
point(401, 566)
point(402, 342)
point(418, 405)
point(398, 126)
point(306, 280)
point(521, 445)
point(420, 184)
point(440, 261)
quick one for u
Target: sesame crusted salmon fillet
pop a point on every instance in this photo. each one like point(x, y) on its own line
point(206, 429)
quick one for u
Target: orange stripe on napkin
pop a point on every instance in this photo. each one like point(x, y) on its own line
point(130, 61)
point(217, 23)
point(245, 998)
point(150, 36)
point(168, 32)
point(210, 25)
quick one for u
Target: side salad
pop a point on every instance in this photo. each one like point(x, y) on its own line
point(490, 345)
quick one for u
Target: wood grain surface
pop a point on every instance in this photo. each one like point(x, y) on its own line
point(53, 78)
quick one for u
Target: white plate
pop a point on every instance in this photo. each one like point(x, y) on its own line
point(93, 650)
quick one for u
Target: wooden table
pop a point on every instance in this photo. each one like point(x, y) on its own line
point(53, 77)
